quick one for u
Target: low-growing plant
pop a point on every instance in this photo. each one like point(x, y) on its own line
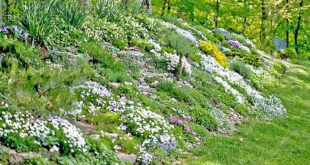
point(209, 48)
point(240, 68)
point(106, 9)
point(279, 67)
point(117, 76)
point(71, 12)
point(98, 54)
point(251, 58)
point(203, 117)
point(287, 53)
point(142, 44)
point(180, 44)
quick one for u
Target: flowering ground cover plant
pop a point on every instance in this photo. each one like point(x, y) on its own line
point(106, 79)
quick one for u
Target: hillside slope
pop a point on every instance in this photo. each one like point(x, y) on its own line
point(126, 87)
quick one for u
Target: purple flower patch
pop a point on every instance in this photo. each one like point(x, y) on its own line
point(235, 44)
point(176, 120)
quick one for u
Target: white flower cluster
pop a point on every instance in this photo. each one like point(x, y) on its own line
point(210, 65)
point(262, 75)
point(24, 125)
point(94, 97)
point(242, 47)
point(74, 137)
point(174, 60)
point(225, 125)
point(156, 45)
point(147, 122)
point(228, 88)
point(186, 34)
point(96, 88)
point(272, 106)
point(145, 158)
point(43, 131)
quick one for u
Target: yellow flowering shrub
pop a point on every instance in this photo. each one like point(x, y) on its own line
point(209, 48)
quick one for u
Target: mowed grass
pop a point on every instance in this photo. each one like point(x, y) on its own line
point(280, 141)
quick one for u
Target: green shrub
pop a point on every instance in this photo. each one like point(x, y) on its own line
point(287, 53)
point(119, 77)
point(195, 57)
point(167, 50)
point(36, 160)
point(142, 44)
point(203, 117)
point(180, 44)
point(240, 68)
point(98, 54)
point(279, 67)
point(98, 154)
point(220, 37)
point(16, 51)
point(251, 58)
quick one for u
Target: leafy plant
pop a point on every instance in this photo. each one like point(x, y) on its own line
point(240, 68)
point(251, 58)
point(71, 12)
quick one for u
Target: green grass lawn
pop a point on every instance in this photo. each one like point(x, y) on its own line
point(281, 141)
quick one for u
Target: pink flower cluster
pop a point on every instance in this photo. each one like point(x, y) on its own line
point(176, 120)
point(235, 44)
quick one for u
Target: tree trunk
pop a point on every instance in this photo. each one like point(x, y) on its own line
point(169, 6)
point(298, 26)
point(179, 69)
point(287, 25)
point(217, 13)
point(263, 21)
point(164, 8)
point(244, 18)
point(148, 4)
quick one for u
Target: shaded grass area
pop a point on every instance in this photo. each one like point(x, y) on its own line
point(280, 141)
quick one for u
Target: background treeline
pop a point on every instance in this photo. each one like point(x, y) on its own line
point(260, 20)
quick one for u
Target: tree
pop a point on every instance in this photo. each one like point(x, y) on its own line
point(298, 26)
point(263, 21)
point(217, 7)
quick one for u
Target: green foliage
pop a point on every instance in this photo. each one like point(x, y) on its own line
point(279, 67)
point(36, 160)
point(14, 141)
point(249, 58)
point(98, 54)
point(42, 90)
point(142, 44)
point(287, 53)
point(36, 19)
point(120, 77)
point(240, 68)
point(98, 154)
point(106, 9)
point(220, 37)
point(71, 12)
point(203, 117)
point(180, 44)
point(4, 156)
point(16, 51)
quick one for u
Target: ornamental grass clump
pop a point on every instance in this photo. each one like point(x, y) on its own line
point(210, 48)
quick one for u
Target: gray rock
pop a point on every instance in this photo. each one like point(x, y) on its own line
point(127, 158)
